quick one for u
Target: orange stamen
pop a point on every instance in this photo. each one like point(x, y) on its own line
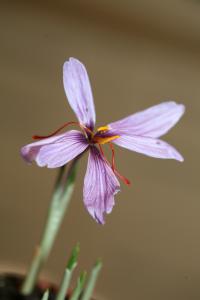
point(39, 137)
point(104, 140)
point(103, 129)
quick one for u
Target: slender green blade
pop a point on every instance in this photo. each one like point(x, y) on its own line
point(74, 257)
point(87, 294)
point(79, 287)
point(72, 263)
point(46, 295)
point(64, 285)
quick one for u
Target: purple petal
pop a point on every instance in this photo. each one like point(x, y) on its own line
point(100, 186)
point(78, 91)
point(148, 146)
point(152, 122)
point(55, 151)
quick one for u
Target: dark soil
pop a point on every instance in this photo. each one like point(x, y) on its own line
point(10, 289)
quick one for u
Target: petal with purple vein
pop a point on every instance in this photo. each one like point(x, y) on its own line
point(78, 91)
point(55, 151)
point(152, 122)
point(100, 186)
point(149, 146)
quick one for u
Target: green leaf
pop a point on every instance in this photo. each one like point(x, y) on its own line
point(72, 263)
point(46, 295)
point(79, 287)
point(87, 294)
point(74, 257)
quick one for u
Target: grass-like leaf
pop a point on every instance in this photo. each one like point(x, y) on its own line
point(79, 287)
point(87, 294)
point(46, 295)
point(72, 263)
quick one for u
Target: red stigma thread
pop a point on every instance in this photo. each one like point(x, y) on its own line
point(124, 179)
point(39, 137)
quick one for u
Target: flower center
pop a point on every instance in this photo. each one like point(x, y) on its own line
point(102, 136)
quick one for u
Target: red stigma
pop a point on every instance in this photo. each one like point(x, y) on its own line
point(40, 137)
point(124, 179)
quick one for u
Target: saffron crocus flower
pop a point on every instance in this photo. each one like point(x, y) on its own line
point(139, 132)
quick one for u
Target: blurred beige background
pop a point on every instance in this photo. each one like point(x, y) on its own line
point(138, 53)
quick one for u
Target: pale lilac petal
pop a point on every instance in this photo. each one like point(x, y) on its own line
point(78, 91)
point(100, 186)
point(149, 146)
point(30, 151)
point(55, 151)
point(152, 122)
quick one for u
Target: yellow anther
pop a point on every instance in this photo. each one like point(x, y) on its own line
point(104, 140)
point(103, 129)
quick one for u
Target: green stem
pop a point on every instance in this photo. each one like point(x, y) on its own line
point(59, 203)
